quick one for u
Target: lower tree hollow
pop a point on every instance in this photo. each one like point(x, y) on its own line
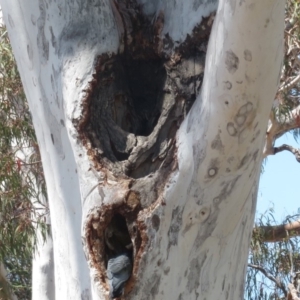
point(117, 238)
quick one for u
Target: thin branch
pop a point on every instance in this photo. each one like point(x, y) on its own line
point(291, 84)
point(278, 126)
point(271, 234)
point(289, 148)
point(278, 283)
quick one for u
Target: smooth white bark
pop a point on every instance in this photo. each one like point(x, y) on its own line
point(43, 262)
point(243, 63)
point(200, 250)
point(34, 36)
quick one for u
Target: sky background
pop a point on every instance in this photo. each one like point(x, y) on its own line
point(280, 181)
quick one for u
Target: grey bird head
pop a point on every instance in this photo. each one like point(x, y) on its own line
point(119, 270)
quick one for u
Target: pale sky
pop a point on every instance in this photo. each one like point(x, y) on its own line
point(280, 181)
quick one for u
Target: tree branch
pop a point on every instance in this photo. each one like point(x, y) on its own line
point(5, 288)
point(291, 84)
point(278, 283)
point(279, 125)
point(271, 234)
point(293, 150)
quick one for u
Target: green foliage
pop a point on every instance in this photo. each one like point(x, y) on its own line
point(289, 92)
point(21, 177)
point(280, 260)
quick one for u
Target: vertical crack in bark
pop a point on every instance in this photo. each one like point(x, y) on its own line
point(175, 226)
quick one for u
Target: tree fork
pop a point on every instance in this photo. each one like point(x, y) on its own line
point(131, 113)
point(184, 183)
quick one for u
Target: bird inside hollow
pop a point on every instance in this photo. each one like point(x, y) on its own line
point(119, 252)
point(119, 270)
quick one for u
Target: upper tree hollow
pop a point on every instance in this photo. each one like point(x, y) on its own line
point(139, 97)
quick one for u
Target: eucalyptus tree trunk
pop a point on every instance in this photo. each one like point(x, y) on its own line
point(131, 132)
